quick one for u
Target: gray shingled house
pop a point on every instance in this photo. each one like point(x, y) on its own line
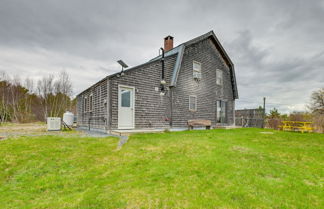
point(195, 80)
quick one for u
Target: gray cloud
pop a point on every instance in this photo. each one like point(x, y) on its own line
point(276, 46)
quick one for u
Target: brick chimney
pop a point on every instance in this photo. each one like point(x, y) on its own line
point(168, 43)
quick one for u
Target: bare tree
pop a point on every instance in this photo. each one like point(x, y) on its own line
point(4, 100)
point(29, 84)
point(317, 102)
point(64, 85)
point(316, 106)
point(12, 96)
point(22, 102)
point(45, 90)
point(15, 97)
point(55, 94)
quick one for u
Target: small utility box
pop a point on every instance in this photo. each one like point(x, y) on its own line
point(53, 124)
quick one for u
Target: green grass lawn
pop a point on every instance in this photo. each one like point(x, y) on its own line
point(239, 168)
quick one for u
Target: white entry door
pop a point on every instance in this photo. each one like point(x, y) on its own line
point(126, 106)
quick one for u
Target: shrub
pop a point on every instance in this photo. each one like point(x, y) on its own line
point(318, 125)
point(273, 123)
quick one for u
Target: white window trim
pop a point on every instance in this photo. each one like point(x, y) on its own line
point(90, 101)
point(85, 105)
point(195, 102)
point(218, 71)
point(196, 62)
point(194, 71)
point(221, 111)
point(99, 96)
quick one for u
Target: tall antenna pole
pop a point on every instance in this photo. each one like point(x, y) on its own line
point(162, 60)
point(162, 87)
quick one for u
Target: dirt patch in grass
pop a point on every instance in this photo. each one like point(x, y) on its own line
point(266, 132)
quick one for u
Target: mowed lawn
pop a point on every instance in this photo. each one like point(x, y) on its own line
point(240, 168)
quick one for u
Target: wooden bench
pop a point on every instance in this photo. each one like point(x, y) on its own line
point(192, 123)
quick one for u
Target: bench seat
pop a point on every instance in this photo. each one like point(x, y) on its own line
point(198, 122)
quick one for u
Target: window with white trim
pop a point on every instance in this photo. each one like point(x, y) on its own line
point(219, 77)
point(196, 67)
point(99, 91)
point(98, 96)
point(90, 103)
point(193, 103)
point(85, 104)
point(126, 98)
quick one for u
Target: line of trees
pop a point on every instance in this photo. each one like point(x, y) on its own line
point(28, 101)
point(314, 114)
point(316, 107)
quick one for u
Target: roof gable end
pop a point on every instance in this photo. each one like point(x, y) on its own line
point(221, 50)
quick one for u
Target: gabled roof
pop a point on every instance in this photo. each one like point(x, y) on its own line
point(222, 51)
point(179, 50)
point(225, 56)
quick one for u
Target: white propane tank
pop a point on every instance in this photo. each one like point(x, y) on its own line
point(68, 118)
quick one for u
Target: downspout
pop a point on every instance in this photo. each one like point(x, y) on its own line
point(234, 117)
point(171, 105)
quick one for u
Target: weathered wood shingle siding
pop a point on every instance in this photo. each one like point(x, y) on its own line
point(151, 109)
point(99, 112)
point(206, 90)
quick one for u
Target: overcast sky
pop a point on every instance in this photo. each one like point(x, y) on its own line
point(277, 46)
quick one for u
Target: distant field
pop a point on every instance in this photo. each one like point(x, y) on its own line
point(241, 168)
point(10, 130)
point(22, 128)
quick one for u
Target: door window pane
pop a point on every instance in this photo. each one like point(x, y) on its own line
point(218, 111)
point(125, 98)
point(221, 116)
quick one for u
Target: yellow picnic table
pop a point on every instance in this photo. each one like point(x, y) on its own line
point(297, 126)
